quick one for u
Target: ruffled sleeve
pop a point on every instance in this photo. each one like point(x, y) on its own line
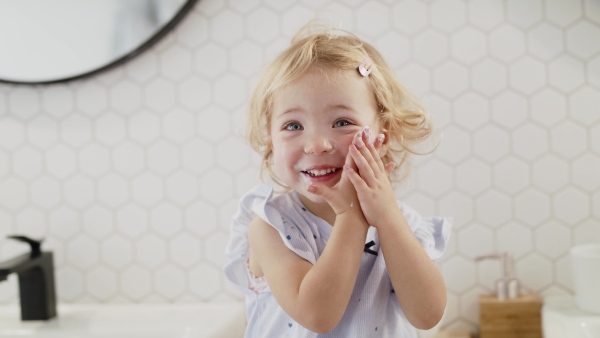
point(432, 232)
point(295, 232)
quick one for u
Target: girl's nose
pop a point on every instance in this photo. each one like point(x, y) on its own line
point(318, 145)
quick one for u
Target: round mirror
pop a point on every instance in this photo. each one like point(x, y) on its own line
point(46, 41)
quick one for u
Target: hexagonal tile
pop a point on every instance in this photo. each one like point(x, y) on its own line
point(13, 193)
point(147, 189)
point(136, 282)
point(473, 176)
point(450, 79)
point(420, 201)
point(91, 98)
point(494, 208)
point(4, 164)
point(506, 43)
point(69, 283)
point(201, 218)
point(210, 60)
point(246, 58)
point(166, 219)
point(459, 274)
point(145, 66)
point(94, 160)
point(595, 138)
point(117, 251)
point(553, 239)
point(416, 78)
point(581, 39)
point(98, 222)
point(563, 274)
point(175, 63)
point(125, 97)
point(25, 101)
point(197, 156)
point(113, 190)
point(213, 123)
point(150, 250)
point(213, 248)
point(194, 93)
point(179, 125)
point(27, 162)
point(561, 12)
point(216, 186)
point(109, 128)
point(535, 272)
point(548, 107)
point(571, 206)
point(448, 15)
point(170, 281)
point(593, 71)
point(101, 283)
point(430, 48)
point(76, 130)
point(410, 16)
point(509, 109)
point(57, 100)
point(585, 172)
point(42, 132)
point(11, 134)
point(576, 136)
point(144, 127)
point(163, 157)
point(79, 191)
point(485, 14)
point(182, 188)
point(489, 77)
point(468, 45)
point(532, 207)
point(435, 177)
point(31, 222)
point(132, 220)
point(233, 145)
point(160, 95)
point(459, 206)
point(566, 73)
point(227, 27)
point(514, 238)
point(205, 281)
point(293, 19)
point(45, 192)
point(394, 47)
point(230, 91)
point(529, 141)
point(469, 303)
point(475, 240)
point(128, 159)
point(550, 173)
point(587, 232)
point(582, 103)
point(527, 75)
point(262, 25)
point(490, 143)
point(82, 252)
point(185, 250)
point(524, 14)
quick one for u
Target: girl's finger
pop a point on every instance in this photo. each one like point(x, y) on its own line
point(390, 167)
point(364, 169)
point(366, 148)
point(356, 179)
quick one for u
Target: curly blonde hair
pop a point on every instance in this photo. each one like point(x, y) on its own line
point(401, 117)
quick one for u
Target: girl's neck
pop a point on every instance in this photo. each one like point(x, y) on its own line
point(322, 210)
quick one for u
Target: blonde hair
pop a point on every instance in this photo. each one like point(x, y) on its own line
point(401, 117)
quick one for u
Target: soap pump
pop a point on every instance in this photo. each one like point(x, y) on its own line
point(507, 287)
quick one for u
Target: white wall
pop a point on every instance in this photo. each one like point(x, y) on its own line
point(132, 175)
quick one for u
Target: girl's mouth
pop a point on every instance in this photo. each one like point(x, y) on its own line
point(322, 175)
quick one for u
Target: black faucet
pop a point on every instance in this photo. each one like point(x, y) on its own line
point(36, 280)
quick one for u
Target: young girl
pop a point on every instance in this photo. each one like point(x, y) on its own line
point(335, 255)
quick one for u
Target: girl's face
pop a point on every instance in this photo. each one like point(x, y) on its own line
point(314, 120)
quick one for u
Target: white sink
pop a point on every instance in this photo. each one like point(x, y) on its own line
point(562, 318)
point(205, 320)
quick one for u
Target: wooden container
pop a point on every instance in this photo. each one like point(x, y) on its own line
point(510, 318)
point(454, 334)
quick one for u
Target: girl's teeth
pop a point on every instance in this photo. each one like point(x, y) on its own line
point(321, 172)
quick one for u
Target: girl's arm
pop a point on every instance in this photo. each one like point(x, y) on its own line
point(315, 296)
point(418, 285)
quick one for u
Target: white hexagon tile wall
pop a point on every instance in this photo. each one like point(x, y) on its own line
point(132, 175)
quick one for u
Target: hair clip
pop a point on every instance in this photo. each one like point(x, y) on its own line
point(362, 68)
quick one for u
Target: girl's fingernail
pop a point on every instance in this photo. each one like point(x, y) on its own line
point(380, 138)
point(367, 131)
point(359, 142)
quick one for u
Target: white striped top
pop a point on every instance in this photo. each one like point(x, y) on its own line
point(373, 310)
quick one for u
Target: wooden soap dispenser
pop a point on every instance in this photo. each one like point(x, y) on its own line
point(508, 313)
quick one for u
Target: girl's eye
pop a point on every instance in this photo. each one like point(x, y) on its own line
point(342, 123)
point(293, 126)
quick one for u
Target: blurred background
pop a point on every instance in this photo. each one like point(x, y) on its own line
point(132, 175)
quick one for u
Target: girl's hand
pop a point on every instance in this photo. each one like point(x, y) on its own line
point(371, 181)
point(342, 196)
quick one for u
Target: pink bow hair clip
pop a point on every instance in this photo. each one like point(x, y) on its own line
point(362, 68)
